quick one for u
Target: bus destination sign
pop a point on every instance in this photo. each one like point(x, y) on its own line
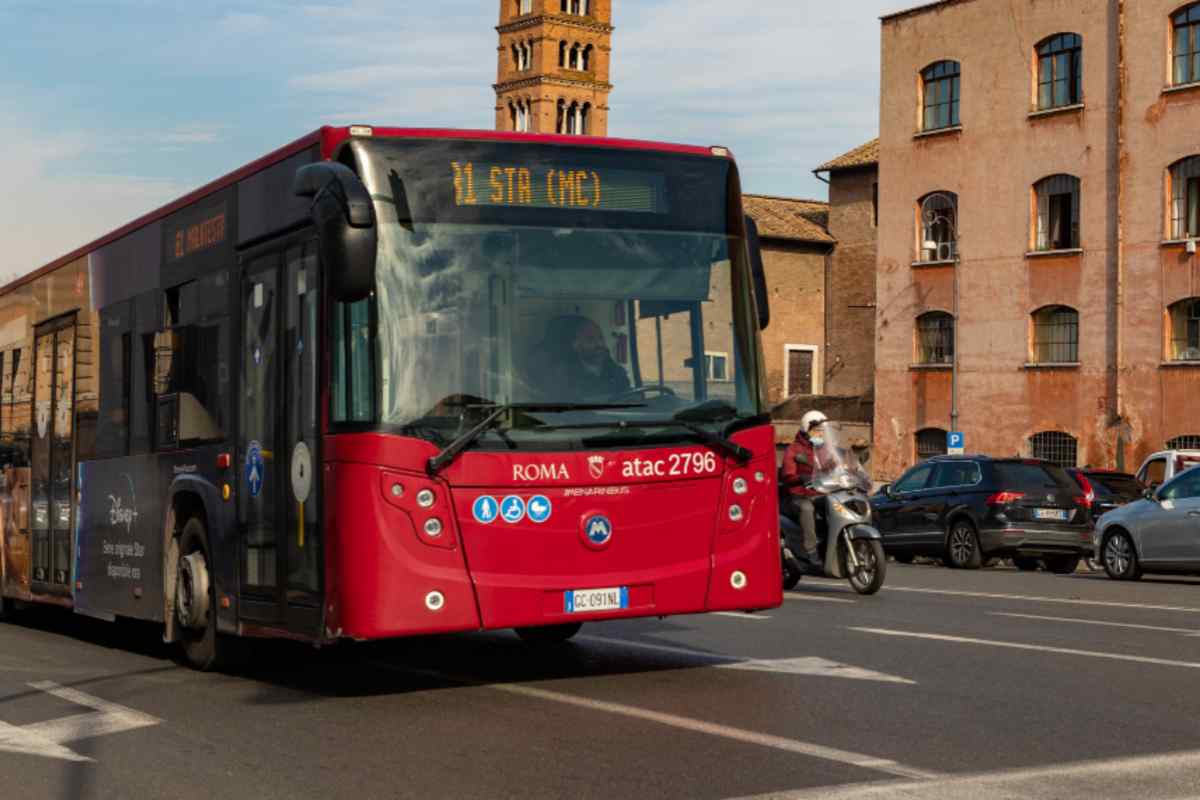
point(208, 232)
point(558, 187)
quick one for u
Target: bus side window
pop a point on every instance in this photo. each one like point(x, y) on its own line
point(352, 365)
point(116, 354)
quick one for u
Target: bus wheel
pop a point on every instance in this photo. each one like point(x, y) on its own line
point(549, 634)
point(6, 607)
point(195, 608)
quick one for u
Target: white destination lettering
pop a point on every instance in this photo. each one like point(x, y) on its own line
point(541, 472)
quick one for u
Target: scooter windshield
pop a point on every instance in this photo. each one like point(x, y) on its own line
point(837, 466)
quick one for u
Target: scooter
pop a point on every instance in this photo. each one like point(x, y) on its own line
point(852, 548)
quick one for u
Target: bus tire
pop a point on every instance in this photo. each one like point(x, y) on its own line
point(195, 599)
point(6, 607)
point(549, 634)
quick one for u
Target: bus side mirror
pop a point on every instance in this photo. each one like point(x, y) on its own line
point(761, 300)
point(345, 220)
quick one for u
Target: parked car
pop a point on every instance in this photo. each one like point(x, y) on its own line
point(1164, 465)
point(1109, 489)
point(966, 509)
point(1159, 533)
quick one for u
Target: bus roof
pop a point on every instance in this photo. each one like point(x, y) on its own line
point(330, 138)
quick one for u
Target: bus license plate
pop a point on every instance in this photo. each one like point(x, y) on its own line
point(580, 601)
point(1050, 513)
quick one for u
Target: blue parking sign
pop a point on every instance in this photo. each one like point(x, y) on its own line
point(955, 443)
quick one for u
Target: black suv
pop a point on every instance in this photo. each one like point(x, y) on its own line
point(965, 509)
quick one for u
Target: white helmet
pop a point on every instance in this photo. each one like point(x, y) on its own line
point(811, 420)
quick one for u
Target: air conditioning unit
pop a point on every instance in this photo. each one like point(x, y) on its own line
point(1191, 247)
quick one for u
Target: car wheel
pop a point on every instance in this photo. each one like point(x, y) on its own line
point(549, 634)
point(1120, 557)
point(1025, 564)
point(962, 546)
point(1061, 565)
point(904, 558)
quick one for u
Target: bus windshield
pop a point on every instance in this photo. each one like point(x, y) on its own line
point(606, 315)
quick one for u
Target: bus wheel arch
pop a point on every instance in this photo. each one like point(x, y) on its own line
point(189, 591)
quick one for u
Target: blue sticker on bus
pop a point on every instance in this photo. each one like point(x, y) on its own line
point(512, 509)
point(255, 468)
point(485, 509)
point(539, 509)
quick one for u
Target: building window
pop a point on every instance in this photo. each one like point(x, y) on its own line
point(941, 95)
point(935, 338)
point(524, 7)
point(1187, 45)
point(586, 63)
point(939, 227)
point(799, 370)
point(1056, 447)
point(1056, 335)
point(573, 119)
point(716, 366)
point(518, 114)
point(1185, 199)
point(1060, 71)
point(1057, 213)
point(931, 442)
point(577, 8)
point(1185, 330)
point(1188, 442)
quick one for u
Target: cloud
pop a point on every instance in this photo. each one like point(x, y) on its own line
point(243, 22)
point(191, 135)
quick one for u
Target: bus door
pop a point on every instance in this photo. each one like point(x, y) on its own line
point(53, 455)
point(278, 443)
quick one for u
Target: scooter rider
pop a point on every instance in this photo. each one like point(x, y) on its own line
point(801, 459)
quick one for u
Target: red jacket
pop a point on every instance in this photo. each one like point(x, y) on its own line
point(797, 472)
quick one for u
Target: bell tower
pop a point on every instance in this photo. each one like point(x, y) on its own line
point(552, 75)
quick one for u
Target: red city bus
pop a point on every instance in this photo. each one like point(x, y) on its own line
point(386, 382)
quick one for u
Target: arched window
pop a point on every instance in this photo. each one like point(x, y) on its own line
point(1057, 213)
point(524, 7)
point(931, 442)
point(587, 58)
point(935, 338)
point(1060, 71)
point(1185, 330)
point(573, 118)
point(521, 118)
point(564, 6)
point(561, 125)
point(1185, 198)
point(512, 117)
point(1056, 335)
point(562, 54)
point(1186, 45)
point(941, 94)
point(576, 51)
point(585, 114)
point(1056, 447)
point(1189, 441)
point(939, 227)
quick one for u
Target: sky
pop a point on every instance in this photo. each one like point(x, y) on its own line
point(115, 107)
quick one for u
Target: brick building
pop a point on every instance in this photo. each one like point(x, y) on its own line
point(850, 288)
point(796, 247)
point(1039, 204)
point(553, 66)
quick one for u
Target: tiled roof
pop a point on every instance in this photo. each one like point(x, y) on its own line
point(861, 156)
point(789, 218)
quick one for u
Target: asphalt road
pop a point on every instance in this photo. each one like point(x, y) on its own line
point(992, 684)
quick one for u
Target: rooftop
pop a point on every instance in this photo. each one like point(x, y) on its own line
point(908, 12)
point(789, 218)
point(865, 155)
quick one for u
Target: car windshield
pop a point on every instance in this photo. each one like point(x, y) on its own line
point(600, 319)
point(1115, 486)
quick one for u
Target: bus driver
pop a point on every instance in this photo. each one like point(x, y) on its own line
point(578, 363)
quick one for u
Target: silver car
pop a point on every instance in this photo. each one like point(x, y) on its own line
point(1159, 533)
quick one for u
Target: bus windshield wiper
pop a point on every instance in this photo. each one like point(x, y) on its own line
point(443, 459)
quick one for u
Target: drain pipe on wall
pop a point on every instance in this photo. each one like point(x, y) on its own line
point(1119, 420)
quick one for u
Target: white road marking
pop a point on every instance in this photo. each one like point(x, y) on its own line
point(1104, 623)
point(814, 596)
point(47, 739)
point(1070, 651)
point(805, 665)
point(1028, 598)
point(1133, 778)
point(723, 731)
point(740, 615)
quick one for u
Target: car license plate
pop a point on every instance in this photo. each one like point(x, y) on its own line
point(579, 601)
point(1050, 513)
